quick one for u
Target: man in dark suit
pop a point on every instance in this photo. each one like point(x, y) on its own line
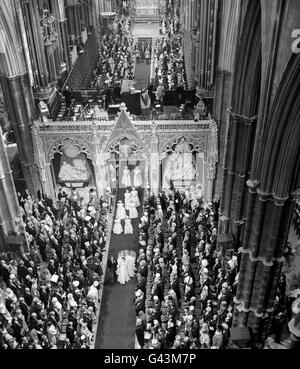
point(112, 265)
point(140, 332)
point(4, 271)
point(178, 201)
point(175, 286)
point(163, 201)
point(171, 333)
point(44, 294)
point(72, 317)
point(27, 296)
point(140, 305)
point(24, 308)
point(70, 332)
point(21, 271)
point(143, 269)
point(141, 283)
point(42, 243)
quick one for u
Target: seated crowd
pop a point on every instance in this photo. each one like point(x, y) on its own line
point(49, 296)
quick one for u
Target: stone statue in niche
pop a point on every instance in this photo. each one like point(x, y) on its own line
point(74, 165)
point(180, 168)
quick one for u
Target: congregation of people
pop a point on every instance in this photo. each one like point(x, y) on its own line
point(296, 220)
point(185, 289)
point(185, 285)
point(116, 56)
point(168, 53)
point(49, 296)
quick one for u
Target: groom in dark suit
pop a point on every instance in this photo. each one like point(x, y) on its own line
point(112, 265)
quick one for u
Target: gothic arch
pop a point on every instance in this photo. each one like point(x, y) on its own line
point(197, 146)
point(115, 144)
point(125, 128)
point(56, 148)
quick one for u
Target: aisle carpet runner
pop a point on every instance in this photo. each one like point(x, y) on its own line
point(116, 327)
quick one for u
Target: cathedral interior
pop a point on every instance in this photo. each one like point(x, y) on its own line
point(192, 106)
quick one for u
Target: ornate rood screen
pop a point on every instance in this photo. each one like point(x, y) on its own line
point(91, 153)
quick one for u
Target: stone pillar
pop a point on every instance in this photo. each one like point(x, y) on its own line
point(266, 230)
point(240, 136)
point(51, 60)
point(154, 161)
point(210, 182)
point(99, 163)
point(20, 105)
point(44, 167)
point(31, 13)
point(60, 15)
point(49, 188)
point(78, 35)
point(21, 17)
point(221, 103)
point(12, 235)
point(100, 179)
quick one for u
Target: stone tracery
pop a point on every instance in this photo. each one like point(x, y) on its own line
point(151, 140)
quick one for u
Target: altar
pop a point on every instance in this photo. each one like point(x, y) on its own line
point(147, 4)
point(147, 9)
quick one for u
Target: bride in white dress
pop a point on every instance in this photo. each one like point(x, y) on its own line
point(121, 212)
point(130, 257)
point(118, 229)
point(126, 180)
point(122, 270)
point(128, 229)
point(135, 197)
point(126, 266)
point(133, 213)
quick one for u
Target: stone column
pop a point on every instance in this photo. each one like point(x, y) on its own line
point(154, 161)
point(51, 60)
point(31, 13)
point(266, 229)
point(100, 175)
point(60, 15)
point(78, 35)
point(240, 136)
point(21, 107)
point(221, 103)
point(44, 167)
point(12, 235)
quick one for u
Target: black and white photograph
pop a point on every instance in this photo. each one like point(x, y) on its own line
point(150, 178)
